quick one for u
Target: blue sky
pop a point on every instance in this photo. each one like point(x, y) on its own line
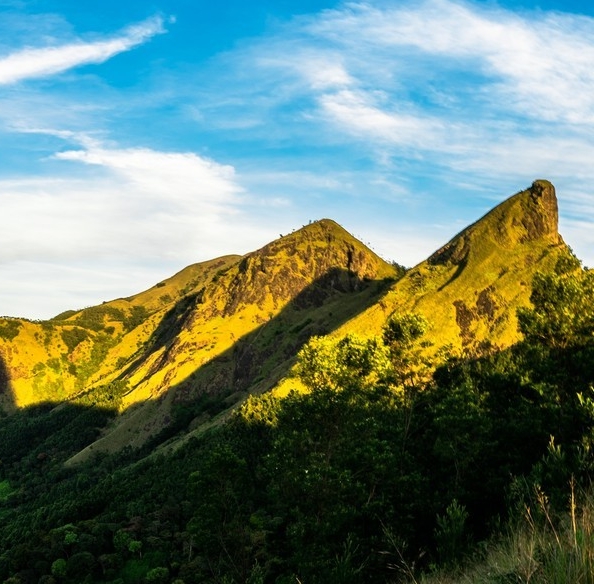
point(144, 136)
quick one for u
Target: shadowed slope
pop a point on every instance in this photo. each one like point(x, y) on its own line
point(240, 334)
point(6, 397)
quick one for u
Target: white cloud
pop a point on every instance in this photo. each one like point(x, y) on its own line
point(168, 182)
point(132, 211)
point(452, 104)
point(44, 61)
point(540, 65)
point(356, 112)
point(321, 69)
point(138, 203)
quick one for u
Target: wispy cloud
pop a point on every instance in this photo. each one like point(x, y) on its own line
point(464, 85)
point(468, 97)
point(135, 209)
point(358, 113)
point(540, 63)
point(132, 202)
point(44, 61)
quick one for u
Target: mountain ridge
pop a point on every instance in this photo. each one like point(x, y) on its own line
point(220, 330)
point(482, 274)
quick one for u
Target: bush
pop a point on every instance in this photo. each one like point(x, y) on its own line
point(9, 329)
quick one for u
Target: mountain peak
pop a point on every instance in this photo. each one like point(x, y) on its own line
point(528, 216)
point(544, 212)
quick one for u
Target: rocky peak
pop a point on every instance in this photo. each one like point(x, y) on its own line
point(542, 214)
point(319, 255)
point(529, 215)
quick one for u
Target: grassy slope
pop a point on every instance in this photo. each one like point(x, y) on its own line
point(242, 332)
point(42, 367)
point(469, 290)
point(232, 326)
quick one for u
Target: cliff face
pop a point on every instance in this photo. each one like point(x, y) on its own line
point(543, 214)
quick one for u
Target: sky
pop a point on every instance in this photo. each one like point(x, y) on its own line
point(140, 137)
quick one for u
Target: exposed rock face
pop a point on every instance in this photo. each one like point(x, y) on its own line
point(306, 265)
point(542, 214)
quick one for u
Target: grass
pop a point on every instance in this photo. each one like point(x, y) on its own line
point(470, 290)
point(542, 549)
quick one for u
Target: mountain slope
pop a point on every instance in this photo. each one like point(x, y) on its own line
point(201, 340)
point(172, 357)
point(240, 334)
point(57, 359)
point(469, 289)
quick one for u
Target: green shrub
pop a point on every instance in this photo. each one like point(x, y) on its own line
point(9, 329)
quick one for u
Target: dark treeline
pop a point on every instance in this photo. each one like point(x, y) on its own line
point(390, 463)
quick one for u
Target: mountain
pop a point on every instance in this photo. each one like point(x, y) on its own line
point(205, 337)
point(470, 288)
point(125, 455)
point(171, 358)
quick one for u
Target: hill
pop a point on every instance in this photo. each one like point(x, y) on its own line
point(440, 407)
point(198, 343)
point(470, 288)
point(204, 338)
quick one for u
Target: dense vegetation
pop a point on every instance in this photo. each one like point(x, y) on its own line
point(389, 465)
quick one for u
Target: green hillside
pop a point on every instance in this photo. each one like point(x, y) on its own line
point(212, 333)
point(310, 413)
point(470, 288)
point(221, 330)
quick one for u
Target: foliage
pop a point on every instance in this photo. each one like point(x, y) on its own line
point(73, 337)
point(450, 533)
point(64, 315)
point(94, 318)
point(324, 363)
point(5, 490)
point(542, 548)
point(403, 330)
point(389, 464)
point(9, 328)
point(108, 395)
point(138, 314)
point(562, 313)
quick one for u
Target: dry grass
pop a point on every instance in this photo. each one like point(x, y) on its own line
point(541, 550)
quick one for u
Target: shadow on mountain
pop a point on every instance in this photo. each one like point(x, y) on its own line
point(40, 437)
point(254, 364)
point(7, 401)
point(258, 360)
point(36, 436)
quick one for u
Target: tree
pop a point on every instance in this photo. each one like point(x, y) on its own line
point(157, 576)
point(330, 364)
point(59, 568)
point(563, 313)
point(411, 370)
